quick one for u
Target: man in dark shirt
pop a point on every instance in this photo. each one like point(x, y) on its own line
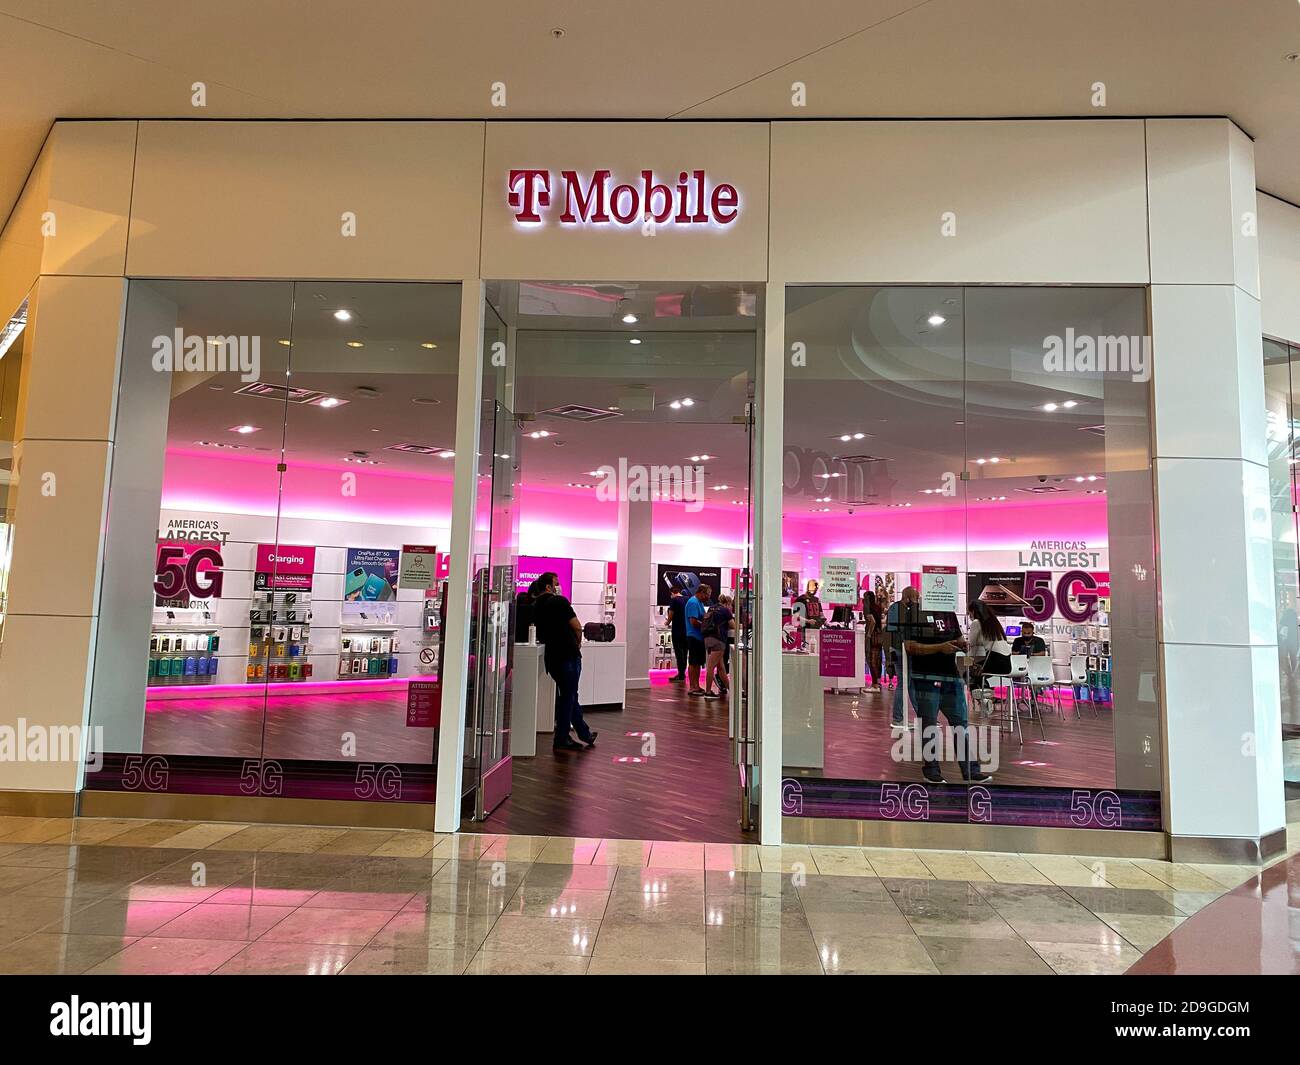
point(932, 641)
point(677, 621)
point(559, 629)
point(1027, 643)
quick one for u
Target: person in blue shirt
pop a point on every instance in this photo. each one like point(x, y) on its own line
point(696, 654)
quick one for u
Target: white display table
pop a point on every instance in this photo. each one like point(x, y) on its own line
point(803, 712)
point(601, 687)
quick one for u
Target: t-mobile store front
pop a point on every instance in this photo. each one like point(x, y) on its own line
point(919, 427)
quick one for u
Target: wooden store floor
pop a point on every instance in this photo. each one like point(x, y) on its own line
point(685, 791)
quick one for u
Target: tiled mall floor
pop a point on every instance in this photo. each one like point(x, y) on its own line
point(112, 896)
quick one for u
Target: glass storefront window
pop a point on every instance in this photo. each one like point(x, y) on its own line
point(969, 470)
point(15, 336)
point(1282, 403)
point(280, 511)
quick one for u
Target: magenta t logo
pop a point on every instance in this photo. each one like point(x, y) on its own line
point(529, 190)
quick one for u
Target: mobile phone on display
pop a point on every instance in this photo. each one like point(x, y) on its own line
point(355, 583)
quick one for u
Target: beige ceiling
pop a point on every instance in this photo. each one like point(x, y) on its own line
point(661, 59)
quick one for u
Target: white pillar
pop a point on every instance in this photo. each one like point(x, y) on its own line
point(1218, 633)
point(454, 668)
point(769, 423)
point(632, 604)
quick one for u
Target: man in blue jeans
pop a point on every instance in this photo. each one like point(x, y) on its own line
point(931, 643)
point(560, 631)
point(894, 626)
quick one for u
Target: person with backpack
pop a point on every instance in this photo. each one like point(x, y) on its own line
point(718, 625)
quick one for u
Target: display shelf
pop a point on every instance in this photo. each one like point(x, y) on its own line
point(183, 642)
point(279, 637)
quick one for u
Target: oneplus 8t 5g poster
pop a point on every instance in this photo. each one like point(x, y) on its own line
point(370, 575)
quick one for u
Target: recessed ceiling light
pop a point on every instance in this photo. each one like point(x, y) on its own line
point(1069, 404)
point(635, 340)
point(333, 401)
point(676, 404)
point(342, 315)
point(845, 438)
point(244, 430)
point(428, 344)
point(446, 454)
point(540, 434)
point(1049, 406)
point(688, 402)
point(355, 344)
point(285, 343)
point(936, 319)
point(630, 318)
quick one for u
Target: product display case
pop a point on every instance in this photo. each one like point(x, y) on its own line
point(279, 637)
point(183, 644)
point(368, 641)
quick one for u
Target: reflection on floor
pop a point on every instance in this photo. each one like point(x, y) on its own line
point(661, 769)
point(296, 726)
point(1075, 750)
point(115, 896)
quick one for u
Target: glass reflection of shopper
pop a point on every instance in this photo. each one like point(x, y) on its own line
point(872, 635)
point(898, 612)
point(937, 688)
point(816, 617)
point(696, 654)
point(719, 624)
point(677, 623)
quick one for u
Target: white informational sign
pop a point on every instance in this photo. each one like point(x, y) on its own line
point(939, 588)
point(839, 580)
point(419, 567)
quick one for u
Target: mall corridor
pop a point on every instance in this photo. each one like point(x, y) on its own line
point(170, 897)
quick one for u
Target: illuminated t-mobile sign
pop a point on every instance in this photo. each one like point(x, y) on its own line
point(693, 201)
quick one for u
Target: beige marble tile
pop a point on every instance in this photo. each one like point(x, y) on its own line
point(357, 841)
point(1178, 876)
point(623, 852)
point(952, 865)
point(677, 856)
point(92, 830)
point(409, 845)
point(565, 850)
point(461, 846)
point(1009, 868)
point(841, 953)
point(515, 848)
point(288, 959)
point(406, 961)
point(1064, 871)
point(617, 966)
point(1229, 876)
point(151, 834)
point(726, 857)
point(491, 963)
point(252, 838)
point(1143, 930)
point(646, 942)
point(169, 957)
point(1119, 873)
point(37, 830)
point(204, 835)
point(787, 859)
point(840, 861)
point(305, 840)
point(1087, 959)
point(901, 863)
point(542, 935)
point(50, 954)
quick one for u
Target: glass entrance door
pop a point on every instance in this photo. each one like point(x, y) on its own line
point(494, 595)
point(744, 707)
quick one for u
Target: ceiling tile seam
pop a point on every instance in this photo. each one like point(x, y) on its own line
point(800, 58)
point(143, 59)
